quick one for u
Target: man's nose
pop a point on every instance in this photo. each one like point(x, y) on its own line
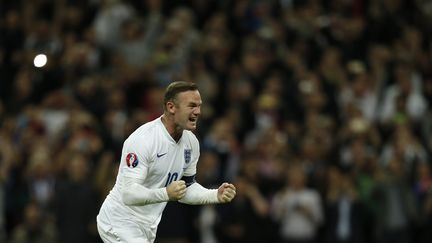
point(197, 110)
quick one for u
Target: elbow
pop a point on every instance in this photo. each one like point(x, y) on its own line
point(129, 194)
point(127, 198)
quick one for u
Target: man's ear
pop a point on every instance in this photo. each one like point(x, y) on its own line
point(170, 106)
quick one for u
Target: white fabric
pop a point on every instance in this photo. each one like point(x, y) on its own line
point(124, 231)
point(198, 195)
point(343, 228)
point(138, 195)
point(107, 24)
point(415, 107)
point(294, 223)
point(160, 160)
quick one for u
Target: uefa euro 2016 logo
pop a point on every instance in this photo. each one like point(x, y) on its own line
point(187, 155)
point(131, 160)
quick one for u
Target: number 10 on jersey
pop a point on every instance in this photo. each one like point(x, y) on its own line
point(171, 177)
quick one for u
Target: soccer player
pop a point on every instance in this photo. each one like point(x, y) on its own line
point(158, 164)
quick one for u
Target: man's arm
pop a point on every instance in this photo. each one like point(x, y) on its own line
point(135, 166)
point(135, 194)
point(199, 195)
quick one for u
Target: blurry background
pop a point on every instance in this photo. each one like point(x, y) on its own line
point(318, 111)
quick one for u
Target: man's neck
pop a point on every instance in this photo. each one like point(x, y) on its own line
point(173, 130)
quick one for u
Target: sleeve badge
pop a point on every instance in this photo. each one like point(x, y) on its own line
point(131, 160)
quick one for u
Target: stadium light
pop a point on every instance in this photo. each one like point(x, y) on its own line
point(40, 60)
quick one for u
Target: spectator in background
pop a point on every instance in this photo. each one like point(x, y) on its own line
point(41, 178)
point(360, 92)
point(426, 130)
point(76, 191)
point(82, 135)
point(426, 235)
point(108, 21)
point(114, 120)
point(247, 219)
point(344, 211)
point(12, 41)
point(359, 160)
point(34, 227)
point(422, 183)
point(221, 141)
point(7, 154)
point(137, 43)
point(298, 209)
point(423, 195)
point(406, 147)
point(105, 174)
point(175, 46)
point(269, 147)
point(403, 100)
point(396, 213)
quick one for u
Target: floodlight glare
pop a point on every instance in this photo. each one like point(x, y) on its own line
point(40, 60)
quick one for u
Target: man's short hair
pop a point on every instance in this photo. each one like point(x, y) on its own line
point(177, 87)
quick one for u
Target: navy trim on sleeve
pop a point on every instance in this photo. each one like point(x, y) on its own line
point(189, 180)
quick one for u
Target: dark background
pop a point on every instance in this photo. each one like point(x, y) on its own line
point(329, 99)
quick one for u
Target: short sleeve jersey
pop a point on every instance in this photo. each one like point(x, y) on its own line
point(152, 148)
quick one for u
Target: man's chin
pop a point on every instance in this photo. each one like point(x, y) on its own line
point(191, 126)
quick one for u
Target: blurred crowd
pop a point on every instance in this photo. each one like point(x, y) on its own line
point(318, 111)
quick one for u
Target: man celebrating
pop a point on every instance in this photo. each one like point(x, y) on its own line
point(158, 164)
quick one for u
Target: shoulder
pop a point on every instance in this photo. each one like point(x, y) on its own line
point(144, 132)
point(144, 138)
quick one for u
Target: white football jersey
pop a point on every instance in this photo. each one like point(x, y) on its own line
point(151, 147)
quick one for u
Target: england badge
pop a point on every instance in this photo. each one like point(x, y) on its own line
point(187, 155)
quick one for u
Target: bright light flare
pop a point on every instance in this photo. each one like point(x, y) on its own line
point(40, 60)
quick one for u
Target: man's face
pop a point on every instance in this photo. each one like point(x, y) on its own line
point(187, 109)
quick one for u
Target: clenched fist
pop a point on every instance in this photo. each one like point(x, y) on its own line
point(176, 190)
point(226, 192)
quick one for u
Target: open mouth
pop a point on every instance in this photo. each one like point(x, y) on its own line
point(193, 119)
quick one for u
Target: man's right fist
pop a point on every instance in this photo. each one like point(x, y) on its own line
point(176, 190)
